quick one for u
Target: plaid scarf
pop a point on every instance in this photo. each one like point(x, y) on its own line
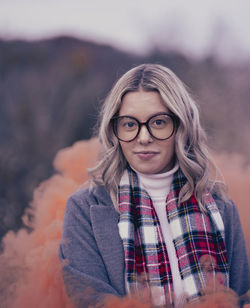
point(194, 234)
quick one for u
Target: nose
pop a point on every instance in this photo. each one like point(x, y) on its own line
point(144, 136)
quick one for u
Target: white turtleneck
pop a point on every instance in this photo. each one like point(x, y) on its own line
point(158, 187)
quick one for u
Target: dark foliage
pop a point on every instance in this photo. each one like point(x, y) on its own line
point(50, 93)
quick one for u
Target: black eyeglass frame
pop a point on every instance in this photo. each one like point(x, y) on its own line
point(140, 124)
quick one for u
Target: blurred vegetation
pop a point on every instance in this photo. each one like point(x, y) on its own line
point(51, 91)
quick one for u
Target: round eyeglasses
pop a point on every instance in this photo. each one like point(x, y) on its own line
point(161, 126)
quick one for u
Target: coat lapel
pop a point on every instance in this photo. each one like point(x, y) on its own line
point(104, 222)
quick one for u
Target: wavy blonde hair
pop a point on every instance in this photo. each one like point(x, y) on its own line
point(190, 139)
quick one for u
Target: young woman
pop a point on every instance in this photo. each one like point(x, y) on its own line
point(153, 207)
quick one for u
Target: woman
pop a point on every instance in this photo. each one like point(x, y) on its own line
point(153, 207)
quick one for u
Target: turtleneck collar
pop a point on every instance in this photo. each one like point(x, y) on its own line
point(157, 185)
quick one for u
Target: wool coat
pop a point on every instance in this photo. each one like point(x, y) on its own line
point(92, 254)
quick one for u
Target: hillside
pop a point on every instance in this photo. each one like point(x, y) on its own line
point(50, 93)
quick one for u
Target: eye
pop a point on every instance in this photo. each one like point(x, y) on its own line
point(127, 124)
point(160, 121)
point(130, 124)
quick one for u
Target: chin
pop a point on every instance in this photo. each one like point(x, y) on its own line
point(145, 170)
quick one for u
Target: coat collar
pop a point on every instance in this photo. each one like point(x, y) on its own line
point(104, 221)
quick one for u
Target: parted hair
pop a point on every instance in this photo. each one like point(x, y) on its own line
point(190, 139)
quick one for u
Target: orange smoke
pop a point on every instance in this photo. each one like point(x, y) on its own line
point(29, 265)
point(215, 295)
point(236, 171)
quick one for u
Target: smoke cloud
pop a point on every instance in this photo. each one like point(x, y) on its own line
point(29, 264)
point(236, 171)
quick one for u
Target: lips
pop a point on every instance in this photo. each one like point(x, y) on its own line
point(146, 155)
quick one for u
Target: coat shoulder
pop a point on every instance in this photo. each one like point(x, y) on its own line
point(225, 207)
point(91, 196)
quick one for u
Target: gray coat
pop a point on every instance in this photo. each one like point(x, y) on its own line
point(92, 251)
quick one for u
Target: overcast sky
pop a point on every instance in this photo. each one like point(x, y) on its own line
point(193, 26)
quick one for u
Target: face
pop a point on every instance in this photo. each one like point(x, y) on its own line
point(145, 153)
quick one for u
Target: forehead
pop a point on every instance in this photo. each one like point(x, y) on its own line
point(142, 104)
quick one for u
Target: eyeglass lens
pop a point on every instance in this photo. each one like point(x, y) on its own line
point(160, 127)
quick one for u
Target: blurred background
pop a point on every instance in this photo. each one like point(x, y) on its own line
point(59, 59)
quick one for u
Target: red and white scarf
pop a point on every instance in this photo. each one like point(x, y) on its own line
point(194, 234)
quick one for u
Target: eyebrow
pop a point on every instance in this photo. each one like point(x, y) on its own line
point(152, 115)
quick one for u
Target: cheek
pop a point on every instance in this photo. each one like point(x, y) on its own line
point(125, 149)
point(169, 148)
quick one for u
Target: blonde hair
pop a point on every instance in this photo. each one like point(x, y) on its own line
point(190, 139)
